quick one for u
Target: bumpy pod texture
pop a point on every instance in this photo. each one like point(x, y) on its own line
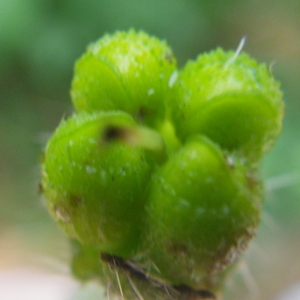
point(125, 71)
point(233, 100)
point(155, 175)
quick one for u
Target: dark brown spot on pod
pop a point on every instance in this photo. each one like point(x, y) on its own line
point(114, 133)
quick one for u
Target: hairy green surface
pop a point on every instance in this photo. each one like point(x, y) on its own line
point(95, 189)
point(202, 212)
point(231, 99)
point(126, 71)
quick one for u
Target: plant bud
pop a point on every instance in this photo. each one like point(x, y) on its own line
point(203, 209)
point(127, 71)
point(231, 99)
point(94, 185)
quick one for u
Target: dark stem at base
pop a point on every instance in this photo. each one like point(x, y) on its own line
point(185, 292)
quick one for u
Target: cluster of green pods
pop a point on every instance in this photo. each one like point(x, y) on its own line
point(155, 177)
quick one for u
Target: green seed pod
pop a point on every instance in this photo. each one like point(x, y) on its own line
point(127, 71)
point(231, 99)
point(93, 185)
point(155, 176)
point(203, 209)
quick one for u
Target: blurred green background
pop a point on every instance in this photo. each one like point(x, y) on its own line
point(39, 43)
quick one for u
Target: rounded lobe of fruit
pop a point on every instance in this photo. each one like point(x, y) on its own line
point(235, 102)
point(94, 187)
point(127, 71)
point(203, 209)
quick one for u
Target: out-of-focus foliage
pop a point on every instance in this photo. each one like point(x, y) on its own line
point(39, 43)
